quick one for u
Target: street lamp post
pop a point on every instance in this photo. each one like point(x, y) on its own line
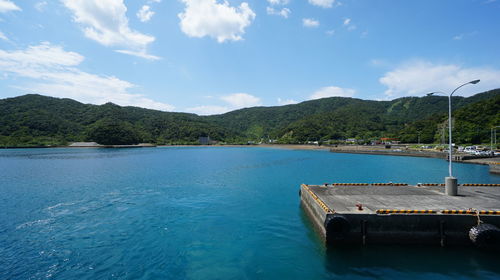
point(450, 181)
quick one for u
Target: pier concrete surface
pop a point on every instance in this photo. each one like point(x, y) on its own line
point(388, 213)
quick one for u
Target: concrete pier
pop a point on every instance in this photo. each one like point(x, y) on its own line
point(388, 213)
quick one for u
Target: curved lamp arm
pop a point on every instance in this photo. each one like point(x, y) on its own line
point(471, 82)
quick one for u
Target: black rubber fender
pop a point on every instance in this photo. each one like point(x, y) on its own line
point(337, 228)
point(485, 236)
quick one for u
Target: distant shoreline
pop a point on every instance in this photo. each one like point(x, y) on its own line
point(377, 150)
point(294, 146)
point(347, 149)
point(394, 151)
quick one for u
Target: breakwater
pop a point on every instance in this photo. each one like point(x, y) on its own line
point(392, 152)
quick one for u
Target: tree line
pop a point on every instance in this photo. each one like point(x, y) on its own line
point(36, 120)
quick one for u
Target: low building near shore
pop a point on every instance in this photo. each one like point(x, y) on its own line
point(205, 140)
point(85, 144)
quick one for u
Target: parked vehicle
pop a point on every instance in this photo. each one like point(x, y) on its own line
point(470, 149)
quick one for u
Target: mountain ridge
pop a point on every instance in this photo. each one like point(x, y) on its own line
point(32, 120)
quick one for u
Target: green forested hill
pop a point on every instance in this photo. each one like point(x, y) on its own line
point(39, 120)
point(340, 118)
point(473, 118)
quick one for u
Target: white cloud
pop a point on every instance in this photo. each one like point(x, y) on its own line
point(278, 2)
point(309, 22)
point(145, 13)
point(330, 32)
point(348, 24)
point(332, 91)
point(141, 54)
point(40, 6)
point(33, 58)
point(241, 100)
point(3, 37)
point(217, 20)
point(285, 12)
point(209, 110)
point(106, 23)
point(322, 3)
point(232, 102)
point(7, 6)
point(379, 62)
point(464, 35)
point(53, 71)
point(418, 77)
point(286, 101)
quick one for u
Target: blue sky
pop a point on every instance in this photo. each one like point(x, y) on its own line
point(213, 56)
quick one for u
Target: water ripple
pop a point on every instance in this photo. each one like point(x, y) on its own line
point(197, 213)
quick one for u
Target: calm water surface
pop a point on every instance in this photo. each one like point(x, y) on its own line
point(202, 213)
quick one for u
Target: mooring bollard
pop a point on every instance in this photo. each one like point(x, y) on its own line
point(451, 186)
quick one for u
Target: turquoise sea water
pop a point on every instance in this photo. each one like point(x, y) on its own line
point(203, 213)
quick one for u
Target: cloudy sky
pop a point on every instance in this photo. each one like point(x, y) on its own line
point(212, 56)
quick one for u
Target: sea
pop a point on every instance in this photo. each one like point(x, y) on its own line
point(204, 213)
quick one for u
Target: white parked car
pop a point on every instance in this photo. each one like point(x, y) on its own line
point(470, 149)
point(482, 153)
